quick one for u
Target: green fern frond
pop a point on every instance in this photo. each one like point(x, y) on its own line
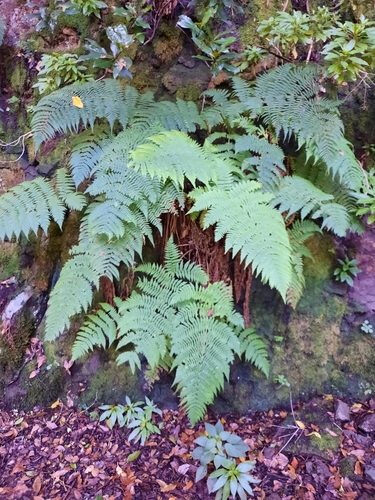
point(71, 295)
point(297, 194)
point(28, 206)
point(174, 309)
point(86, 154)
point(269, 163)
point(203, 349)
point(67, 191)
point(174, 155)
point(291, 103)
point(92, 332)
point(172, 257)
point(2, 29)
point(299, 233)
point(93, 257)
point(181, 115)
point(55, 113)
point(255, 350)
point(252, 227)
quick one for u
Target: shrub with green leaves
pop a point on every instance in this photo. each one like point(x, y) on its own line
point(85, 7)
point(221, 448)
point(59, 70)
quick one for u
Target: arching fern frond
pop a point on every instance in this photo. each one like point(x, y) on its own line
point(72, 294)
point(67, 191)
point(86, 154)
point(55, 113)
point(254, 349)
point(291, 104)
point(28, 206)
point(297, 194)
point(93, 257)
point(174, 307)
point(180, 115)
point(252, 227)
point(269, 163)
point(204, 349)
point(174, 155)
point(298, 234)
point(92, 332)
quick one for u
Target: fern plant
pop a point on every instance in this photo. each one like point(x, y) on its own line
point(141, 162)
point(2, 29)
point(175, 311)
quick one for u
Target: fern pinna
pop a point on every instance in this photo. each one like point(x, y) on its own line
point(176, 312)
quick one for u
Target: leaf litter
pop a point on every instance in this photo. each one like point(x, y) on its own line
point(59, 453)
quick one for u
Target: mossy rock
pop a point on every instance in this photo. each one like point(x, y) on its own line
point(169, 43)
point(255, 12)
point(319, 442)
point(9, 261)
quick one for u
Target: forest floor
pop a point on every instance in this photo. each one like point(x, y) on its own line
point(59, 453)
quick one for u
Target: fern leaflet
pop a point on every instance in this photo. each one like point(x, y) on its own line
point(252, 227)
point(28, 206)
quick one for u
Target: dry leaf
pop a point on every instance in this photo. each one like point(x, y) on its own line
point(68, 364)
point(34, 373)
point(283, 414)
point(331, 432)
point(164, 487)
point(357, 453)
point(358, 469)
point(51, 425)
point(183, 469)
point(37, 485)
point(300, 424)
point(313, 433)
point(77, 101)
point(189, 485)
point(56, 404)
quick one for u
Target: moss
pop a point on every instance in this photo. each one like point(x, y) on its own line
point(256, 11)
point(41, 390)
point(326, 442)
point(109, 383)
point(12, 348)
point(19, 78)
point(168, 44)
point(188, 93)
point(79, 22)
point(9, 260)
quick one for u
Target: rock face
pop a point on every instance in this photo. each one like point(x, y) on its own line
point(342, 411)
point(367, 424)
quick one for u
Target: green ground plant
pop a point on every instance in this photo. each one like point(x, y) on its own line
point(347, 271)
point(58, 70)
point(220, 448)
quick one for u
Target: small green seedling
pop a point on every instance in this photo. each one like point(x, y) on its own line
point(347, 271)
